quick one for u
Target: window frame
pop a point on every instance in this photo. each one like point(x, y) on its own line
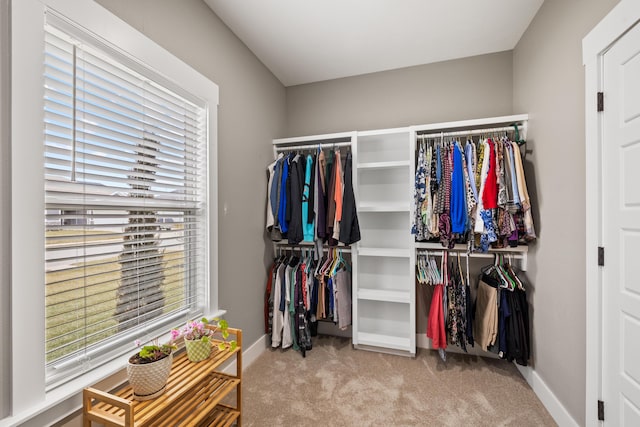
point(28, 389)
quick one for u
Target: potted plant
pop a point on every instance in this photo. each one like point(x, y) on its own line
point(149, 369)
point(197, 338)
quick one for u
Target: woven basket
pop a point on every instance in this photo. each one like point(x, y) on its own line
point(197, 350)
point(150, 379)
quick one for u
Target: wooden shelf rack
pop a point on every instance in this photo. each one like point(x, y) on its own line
point(193, 397)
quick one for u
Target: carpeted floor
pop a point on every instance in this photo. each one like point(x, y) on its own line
point(336, 385)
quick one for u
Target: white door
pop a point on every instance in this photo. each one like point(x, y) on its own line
point(621, 226)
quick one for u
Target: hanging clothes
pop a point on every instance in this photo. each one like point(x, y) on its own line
point(458, 200)
point(419, 227)
point(274, 199)
point(296, 178)
point(337, 195)
point(474, 194)
point(302, 290)
point(282, 210)
point(307, 200)
point(311, 198)
point(320, 197)
point(349, 228)
point(435, 324)
point(436, 320)
point(486, 321)
point(278, 305)
point(343, 298)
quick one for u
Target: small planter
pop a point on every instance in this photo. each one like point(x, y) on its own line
point(197, 350)
point(149, 380)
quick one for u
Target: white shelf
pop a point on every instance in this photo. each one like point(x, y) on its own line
point(518, 252)
point(314, 138)
point(386, 341)
point(384, 165)
point(378, 132)
point(384, 252)
point(472, 124)
point(384, 295)
point(383, 207)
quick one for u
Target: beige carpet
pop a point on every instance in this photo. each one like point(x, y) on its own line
point(336, 385)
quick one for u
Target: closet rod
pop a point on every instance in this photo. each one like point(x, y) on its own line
point(324, 249)
point(308, 146)
point(466, 132)
point(472, 254)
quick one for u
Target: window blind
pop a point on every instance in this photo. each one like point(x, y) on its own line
point(125, 195)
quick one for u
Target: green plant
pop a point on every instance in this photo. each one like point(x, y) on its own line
point(223, 326)
point(202, 330)
point(152, 352)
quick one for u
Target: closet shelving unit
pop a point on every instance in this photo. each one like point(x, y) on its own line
point(383, 265)
point(383, 262)
point(462, 129)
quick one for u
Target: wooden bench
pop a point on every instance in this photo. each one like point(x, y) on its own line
point(193, 396)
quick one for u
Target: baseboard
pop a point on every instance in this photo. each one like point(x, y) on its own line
point(249, 355)
point(539, 387)
point(547, 397)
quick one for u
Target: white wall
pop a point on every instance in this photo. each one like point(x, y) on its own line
point(548, 82)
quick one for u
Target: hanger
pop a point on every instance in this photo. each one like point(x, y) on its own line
point(508, 281)
point(421, 274)
point(327, 264)
point(516, 138)
point(344, 262)
point(336, 263)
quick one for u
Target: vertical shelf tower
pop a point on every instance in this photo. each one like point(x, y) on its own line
point(384, 260)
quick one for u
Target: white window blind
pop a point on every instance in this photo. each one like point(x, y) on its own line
point(125, 196)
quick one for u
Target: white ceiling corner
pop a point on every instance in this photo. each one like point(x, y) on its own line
point(308, 41)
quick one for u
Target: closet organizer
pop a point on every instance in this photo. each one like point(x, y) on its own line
point(311, 218)
point(404, 222)
point(472, 220)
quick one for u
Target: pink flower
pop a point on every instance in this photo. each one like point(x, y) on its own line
point(138, 342)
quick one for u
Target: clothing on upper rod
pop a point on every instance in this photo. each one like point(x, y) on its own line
point(475, 194)
point(310, 199)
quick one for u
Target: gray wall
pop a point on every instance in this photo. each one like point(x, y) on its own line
point(468, 88)
point(251, 114)
point(474, 87)
point(548, 81)
point(5, 295)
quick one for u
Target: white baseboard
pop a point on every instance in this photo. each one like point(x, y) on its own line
point(547, 397)
point(539, 387)
point(249, 355)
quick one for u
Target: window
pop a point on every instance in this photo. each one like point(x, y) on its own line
point(125, 202)
point(46, 388)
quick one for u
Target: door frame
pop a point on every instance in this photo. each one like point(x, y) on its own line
point(621, 18)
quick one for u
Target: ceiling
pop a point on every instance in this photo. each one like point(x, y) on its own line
point(304, 41)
